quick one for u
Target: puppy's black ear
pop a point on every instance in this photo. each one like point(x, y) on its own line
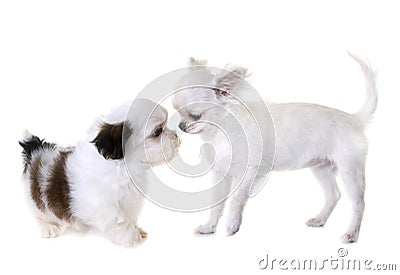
point(109, 140)
point(196, 62)
point(229, 80)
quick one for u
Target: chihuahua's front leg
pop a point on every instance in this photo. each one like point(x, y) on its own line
point(219, 195)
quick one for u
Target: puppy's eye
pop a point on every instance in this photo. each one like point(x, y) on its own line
point(220, 92)
point(195, 117)
point(157, 132)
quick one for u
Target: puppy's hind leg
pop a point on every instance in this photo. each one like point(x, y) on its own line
point(326, 175)
point(51, 228)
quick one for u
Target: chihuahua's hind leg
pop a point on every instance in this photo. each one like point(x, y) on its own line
point(326, 175)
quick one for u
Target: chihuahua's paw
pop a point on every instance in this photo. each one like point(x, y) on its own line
point(349, 238)
point(315, 222)
point(205, 229)
point(233, 227)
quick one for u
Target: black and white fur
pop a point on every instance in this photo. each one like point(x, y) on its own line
point(87, 187)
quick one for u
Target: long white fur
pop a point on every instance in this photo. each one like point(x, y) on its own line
point(103, 197)
point(327, 140)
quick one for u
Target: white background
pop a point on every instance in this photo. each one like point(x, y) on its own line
point(63, 63)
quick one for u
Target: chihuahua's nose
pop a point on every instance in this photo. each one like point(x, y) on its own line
point(182, 126)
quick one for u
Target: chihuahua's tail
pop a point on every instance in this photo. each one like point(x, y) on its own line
point(371, 99)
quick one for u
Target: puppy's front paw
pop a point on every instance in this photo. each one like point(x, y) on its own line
point(143, 233)
point(315, 222)
point(233, 227)
point(130, 237)
point(205, 229)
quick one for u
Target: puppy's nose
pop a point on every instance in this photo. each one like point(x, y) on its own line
point(175, 135)
point(182, 126)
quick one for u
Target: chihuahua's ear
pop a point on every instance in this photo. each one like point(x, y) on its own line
point(196, 62)
point(110, 138)
point(229, 80)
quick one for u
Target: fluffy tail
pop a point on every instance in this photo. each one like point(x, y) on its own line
point(371, 98)
point(30, 144)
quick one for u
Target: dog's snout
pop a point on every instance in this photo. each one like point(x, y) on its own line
point(182, 126)
point(175, 135)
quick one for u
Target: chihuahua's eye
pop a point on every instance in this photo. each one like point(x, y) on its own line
point(157, 132)
point(195, 117)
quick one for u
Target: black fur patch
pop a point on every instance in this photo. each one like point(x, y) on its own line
point(109, 140)
point(32, 145)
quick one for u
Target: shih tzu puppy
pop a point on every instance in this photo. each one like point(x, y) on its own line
point(329, 141)
point(88, 187)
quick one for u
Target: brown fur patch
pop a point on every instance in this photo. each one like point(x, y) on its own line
point(57, 192)
point(35, 179)
point(109, 140)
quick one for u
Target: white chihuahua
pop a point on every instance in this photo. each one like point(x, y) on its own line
point(327, 140)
